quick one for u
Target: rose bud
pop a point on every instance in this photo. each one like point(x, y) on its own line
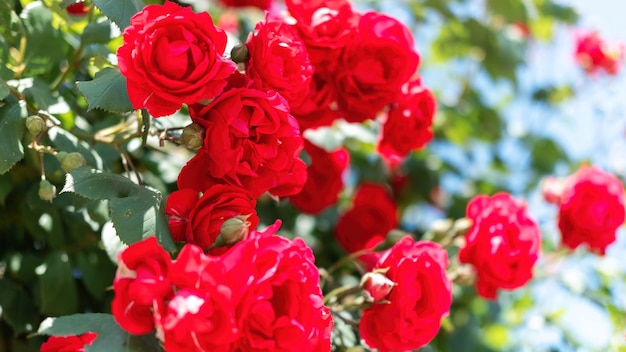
point(47, 191)
point(232, 231)
point(35, 125)
point(192, 136)
point(72, 161)
point(376, 286)
point(552, 189)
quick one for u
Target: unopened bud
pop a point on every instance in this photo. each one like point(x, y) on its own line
point(60, 156)
point(239, 54)
point(552, 189)
point(47, 191)
point(35, 124)
point(232, 231)
point(235, 229)
point(376, 286)
point(72, 161)
point(192, 136)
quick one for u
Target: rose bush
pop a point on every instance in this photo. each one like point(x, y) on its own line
point(88, 175)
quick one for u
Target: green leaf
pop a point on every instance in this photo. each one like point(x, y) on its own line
point(119, 12)
point(107, 91)
point(97, 270)
point(139, 216)
point(97, 32)
point(58, 293)
point(110, 336)
point(137, 211)
point(16, 307)
point(45, 45)
point(11, 130)
point(4, 89)
point(95, 184)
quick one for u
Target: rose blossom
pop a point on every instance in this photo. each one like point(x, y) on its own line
point(261, 4)
point(172, 56)
point(366, 224)
point(408, 124)
point(141, 285)
point(411, 316)
point(326, 27)
point(197, 218)
point(592, 209)
point(319, 107)
point(279, 60)
point(374, 66)
point(325, 172)
point(201, 316)
point(594, 53)
point(502, 244)
point(277, 284)
point(68, 343)
point(251, 141)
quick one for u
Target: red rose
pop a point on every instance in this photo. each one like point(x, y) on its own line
point(502, 244)
point(411, 316)
point(319, 107)
point(366, 224)
point(261, 4)
point(594, 53)
point(374, 66)
point(68, 343)
point(279, 60)
point(141, 285)
point(172, 56)
point(199, 321)
point(325, 172)
point(326, 27)
point(408, 124)
point(276, 283)
point(251, 141)
point(198, 219)
point(592, 209)
point(77, 9)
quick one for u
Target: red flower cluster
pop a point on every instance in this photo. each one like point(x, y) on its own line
point(366, 224)
point(361, 61)
point(502, 244)
point(594, 53)
point(68, 343)
point(324, 172)
point(261, 295)
point(411, 314)
point(591, 209)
